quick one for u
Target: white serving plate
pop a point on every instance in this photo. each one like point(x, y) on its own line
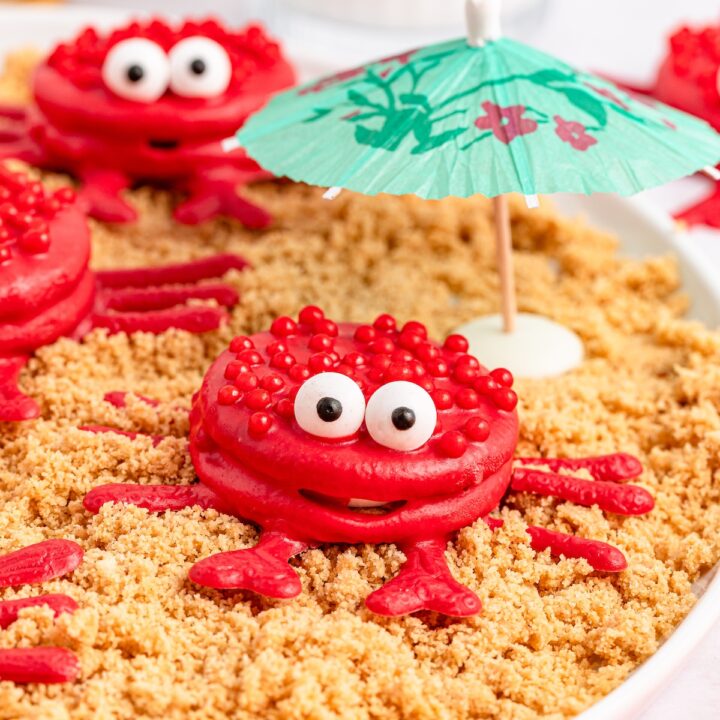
point(643, 231)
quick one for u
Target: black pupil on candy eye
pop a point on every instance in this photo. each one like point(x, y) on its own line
point(198, 66)
point(403, 418)
point(329, 409)
point(135, 73)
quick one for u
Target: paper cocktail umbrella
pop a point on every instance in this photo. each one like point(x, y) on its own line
point(483, 114)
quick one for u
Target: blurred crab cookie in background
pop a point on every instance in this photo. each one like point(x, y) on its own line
point(150, 102)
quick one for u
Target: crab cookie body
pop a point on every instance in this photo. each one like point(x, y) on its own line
point(403, 467)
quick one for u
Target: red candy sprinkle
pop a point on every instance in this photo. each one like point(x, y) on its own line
point(443, 399)
point(276, 347)
point(477, 429)
point(320, 362)
point(438, 368)
point(228, 395)
point(505, 399)
point(272, 383)
point(257, 399)
point(503, 377)
point(381, 362)
point(299, 373)
point(235, 368)
point(409, 341)
point(415, 328)
point(5, 255)
point(240, 343)
point(259, 423)
point(453, 444)
point(252, 357)
point(465, 374)
point(283, 327)
point(282, 361)
point(365, 334)
point(385, 323)
point(382, 345)
point(426, 351)
point(402, 356)
point(467, 399)
point(285, 408)
point(354, 359)
point(321, 343)
point(246, 381)
point(456, 343)
point(486, 385)
point(397, 371)
point(310, 314)
point(325, 327)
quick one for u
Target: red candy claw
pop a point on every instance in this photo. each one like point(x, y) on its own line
point(10, 609)
point(39, 563)
point(39, 665)
point(262, 569)
point(600, 555)
point(35, 564)
point(424, 583)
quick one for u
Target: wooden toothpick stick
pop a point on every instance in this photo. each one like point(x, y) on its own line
point(503, 239)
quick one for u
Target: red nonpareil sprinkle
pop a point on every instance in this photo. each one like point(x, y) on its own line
point(438, 368)
point(486, 385)
point(310, 314)
point(240, 343)
point(355, 359)
point(452, 444)
point(503, 377)
point(365, 334)
point(477, 429)
point(299, 373)
point(246, 381)
point(282, 361)
point(252, 357)
point(236, 368)
point(285, 408)
point(321, 343)
point(228, 395)
point(257, 399)
point(325, 327)
point(259, 423)
point(398, 371)
point(505, 399)
point(443, 399)
point(456, 343)
point(283, 327)
point(276, 347)
point(415, 328)
point(39, 563)
point(385, 323)
point(467, 399)
point(272, 383)
point(383, 345)
point(320, 362)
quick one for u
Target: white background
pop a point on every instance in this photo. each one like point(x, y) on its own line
point(625, 38)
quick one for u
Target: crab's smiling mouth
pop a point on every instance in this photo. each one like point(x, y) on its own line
point(163, 144)
point(358, 505)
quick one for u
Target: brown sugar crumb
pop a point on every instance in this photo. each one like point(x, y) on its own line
point(553, 637)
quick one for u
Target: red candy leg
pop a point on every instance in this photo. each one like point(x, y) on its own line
point(262, 569)
point(39, 563)
point(155, 498)
point(14, 405)
point(100, 196)
point(600, 555)
point(705, 212)
point(10, 609)
point(38, 665)
point(424, 583)
point(216, 193)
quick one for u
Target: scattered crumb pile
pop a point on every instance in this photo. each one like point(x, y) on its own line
point(554, 637)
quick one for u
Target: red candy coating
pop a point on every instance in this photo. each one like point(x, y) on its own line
point(77, 115)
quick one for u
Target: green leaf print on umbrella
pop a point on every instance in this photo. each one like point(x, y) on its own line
point(454, 119)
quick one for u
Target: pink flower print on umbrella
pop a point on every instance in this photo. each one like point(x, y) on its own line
point(574, 133)
point(506, 123)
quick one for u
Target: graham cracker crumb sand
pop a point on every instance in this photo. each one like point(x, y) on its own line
point(553, 637)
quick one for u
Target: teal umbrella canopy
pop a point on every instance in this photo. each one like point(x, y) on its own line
point(457, 119)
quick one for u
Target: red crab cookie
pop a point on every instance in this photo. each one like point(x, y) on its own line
point(151, 102)
point(325, 432)
point(47, 289)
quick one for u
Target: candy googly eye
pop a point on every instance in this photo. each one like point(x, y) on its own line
point(401, 416)
point(330, 405)
point(137, 69)
point(199, 67)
